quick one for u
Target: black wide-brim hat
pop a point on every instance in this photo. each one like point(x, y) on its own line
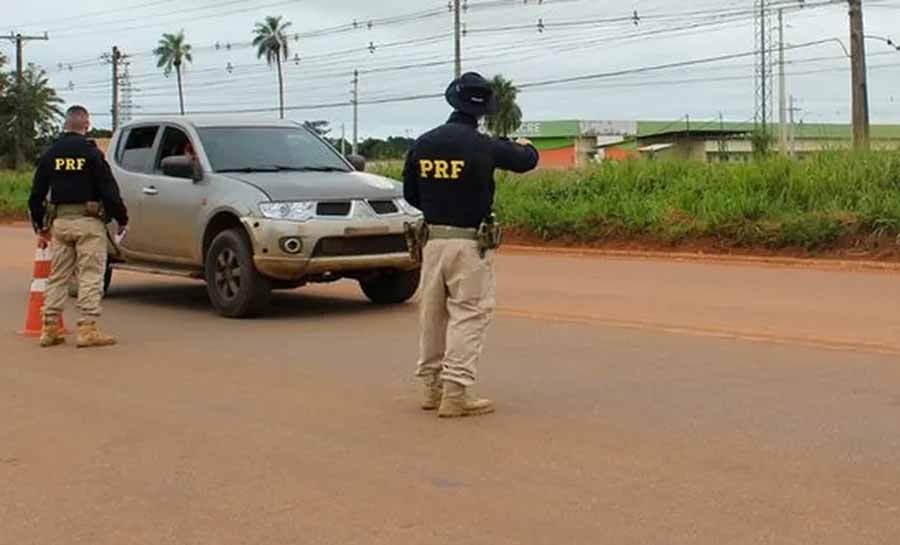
point(472, 94)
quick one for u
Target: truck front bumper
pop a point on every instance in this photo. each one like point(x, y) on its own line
point(329, 247)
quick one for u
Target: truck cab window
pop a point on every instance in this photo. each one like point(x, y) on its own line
point(174, 143)
point(135, 154)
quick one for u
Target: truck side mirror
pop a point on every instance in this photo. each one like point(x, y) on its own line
point(182, 166)
point(358, 162)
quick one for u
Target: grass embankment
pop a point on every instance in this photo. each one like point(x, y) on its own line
point(830, 202)
point(14, 189)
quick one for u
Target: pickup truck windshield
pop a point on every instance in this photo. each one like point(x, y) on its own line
point(268, 149)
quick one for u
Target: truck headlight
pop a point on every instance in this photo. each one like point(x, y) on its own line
point(291, 211)
point(407, 208)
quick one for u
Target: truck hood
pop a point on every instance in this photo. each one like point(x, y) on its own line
point(320, 186)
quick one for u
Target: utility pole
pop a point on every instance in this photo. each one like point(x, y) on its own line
point(860, 85)
point(723, 146)
point(20, 39)
point(793, 145)
point(355, 112)
point(117, 60)
point(782, 87)
point(116, 56)
point(344, 139)
point(19, 153)
point(457, 33)
point(19, 68)
point(765, 60)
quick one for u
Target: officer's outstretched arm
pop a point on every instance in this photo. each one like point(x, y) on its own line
point(40, 186)
point(108, 190)
point(515, 157)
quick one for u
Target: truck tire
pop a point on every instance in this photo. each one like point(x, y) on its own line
point(392, 289)
point(107, 279)
point(235, 287)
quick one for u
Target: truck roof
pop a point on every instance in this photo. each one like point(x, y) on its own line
point(208, 121)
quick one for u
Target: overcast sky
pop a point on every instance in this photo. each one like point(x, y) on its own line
point(579, 37)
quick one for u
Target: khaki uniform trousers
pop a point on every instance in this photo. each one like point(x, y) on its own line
point(457, 306)
point(78, 248)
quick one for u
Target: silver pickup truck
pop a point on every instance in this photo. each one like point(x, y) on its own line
point(252, 206)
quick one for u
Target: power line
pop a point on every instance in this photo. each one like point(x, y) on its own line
point(90, 14)
point(326, 104)
point(91, 63)
point(117, 29)
point(356, 24)
point(218, 85)
point(206, 84)
point(524, 86)
point(330, 62)
point(332, 56)
point(666, 66)
point(328, 73)
point(399, 19)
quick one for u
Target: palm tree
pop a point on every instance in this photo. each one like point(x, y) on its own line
point(509, 116)
point(271, 42)
point(27, 113)
point(173, 52)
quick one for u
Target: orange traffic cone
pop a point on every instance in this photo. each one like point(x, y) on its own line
point(33, 317)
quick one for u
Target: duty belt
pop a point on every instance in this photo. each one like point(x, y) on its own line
point(449, 232)
point(91, 210)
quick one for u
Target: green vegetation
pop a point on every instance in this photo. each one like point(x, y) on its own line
point(508, 118)
point(28, 114)
point(14, 189)
point(817, 203)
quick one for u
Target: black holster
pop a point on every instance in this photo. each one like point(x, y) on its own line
point(49, 215)
point(490, 235)
point(416, 235)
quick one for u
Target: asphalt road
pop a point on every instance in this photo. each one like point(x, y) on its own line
point(639, 402)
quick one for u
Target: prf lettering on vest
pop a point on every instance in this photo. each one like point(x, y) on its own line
point(69, 164)
point(441, 170)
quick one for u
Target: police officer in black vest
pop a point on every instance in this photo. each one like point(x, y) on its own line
point(82, 193)
point(449, 175)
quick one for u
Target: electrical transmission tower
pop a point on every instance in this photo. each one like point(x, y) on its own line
point(126, 104)
point(766, 33)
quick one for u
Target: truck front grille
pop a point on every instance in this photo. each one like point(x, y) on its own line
point(383, 208)
point(333, 208)
point(354, 246)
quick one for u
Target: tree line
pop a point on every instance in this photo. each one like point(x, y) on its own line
point(28, 114)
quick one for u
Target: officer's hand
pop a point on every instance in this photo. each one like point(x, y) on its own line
point(523, 142)
point(43, 239)
point(121, 230)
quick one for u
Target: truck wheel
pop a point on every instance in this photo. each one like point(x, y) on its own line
point(392, 289)
point(107, 279)
point(235, 287)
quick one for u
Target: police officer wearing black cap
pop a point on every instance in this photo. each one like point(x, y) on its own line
point(449, 175)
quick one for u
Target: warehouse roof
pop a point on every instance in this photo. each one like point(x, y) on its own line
point(575, 128)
